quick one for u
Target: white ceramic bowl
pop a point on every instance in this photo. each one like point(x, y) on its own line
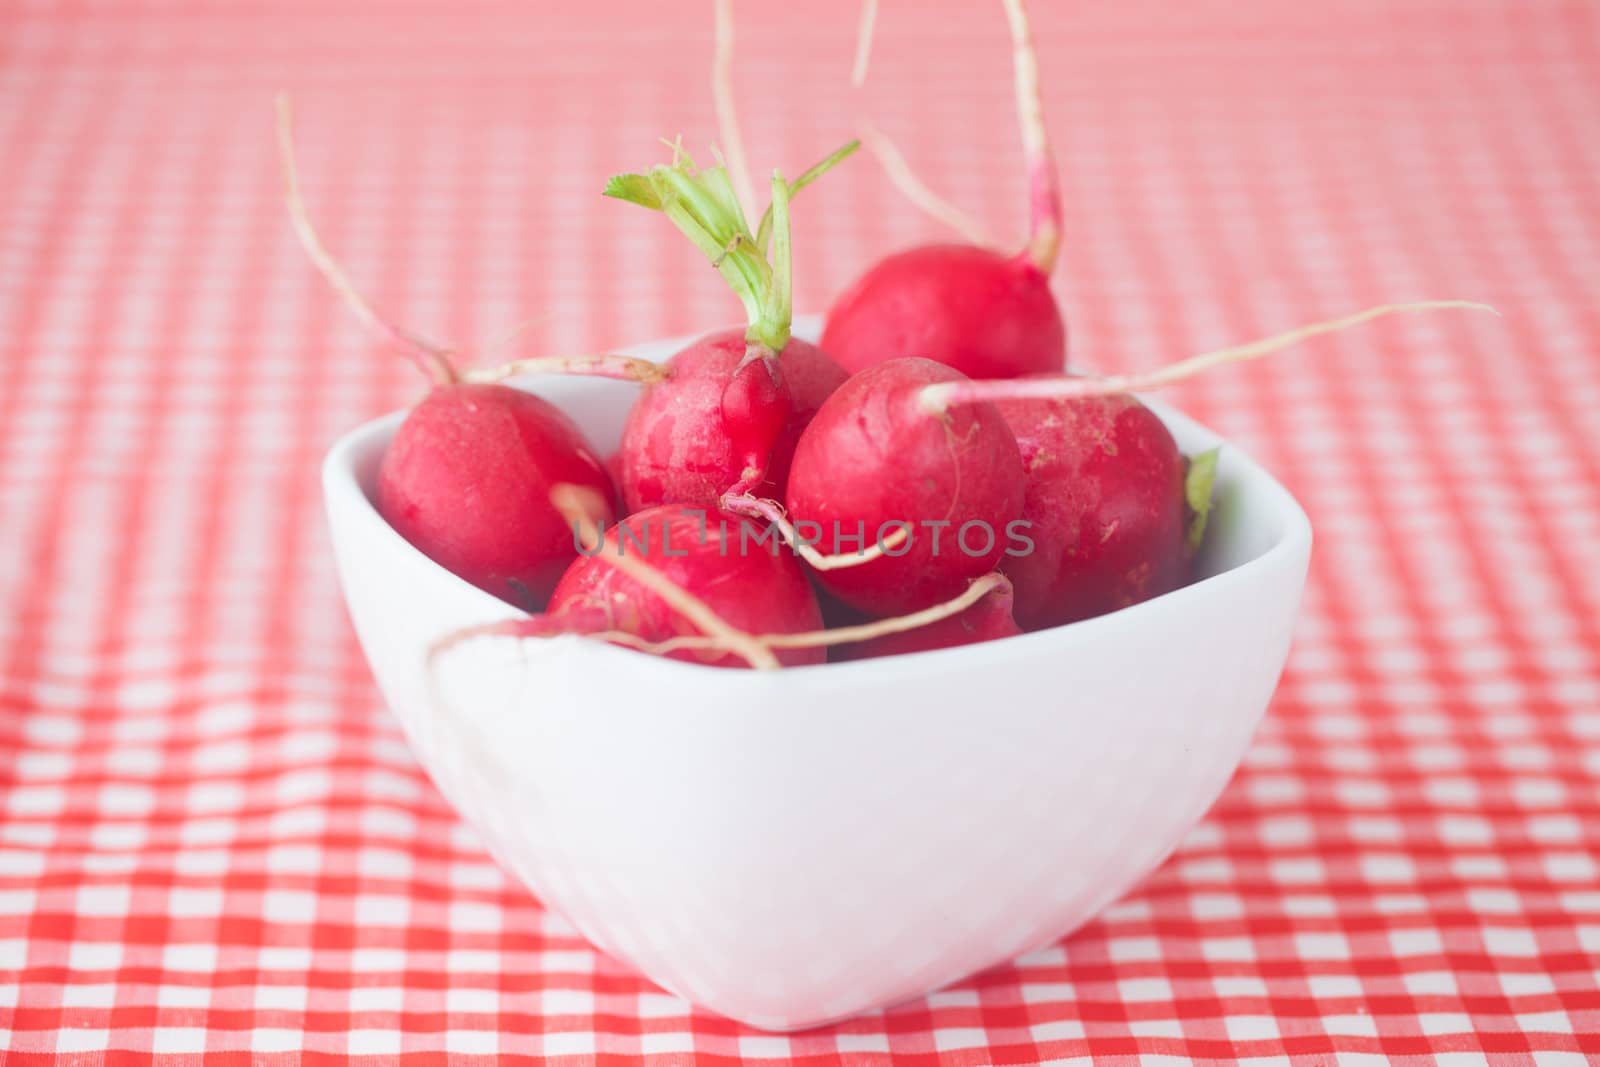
point(795, 847)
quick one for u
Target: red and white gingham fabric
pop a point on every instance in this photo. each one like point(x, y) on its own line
point(213, 840)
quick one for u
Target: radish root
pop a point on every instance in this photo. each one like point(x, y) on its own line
point(888, 154)
point(432, 359)
point(534, 627)
point(937, 399)
point(727, 114)
point(903, 178)
point(770, 510)
point(848, 635)
point(869, 21)
point(511, 336)
point(1044, 186)
point(622, 368)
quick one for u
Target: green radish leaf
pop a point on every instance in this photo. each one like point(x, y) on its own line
point(1197, 486)
point(636, 189)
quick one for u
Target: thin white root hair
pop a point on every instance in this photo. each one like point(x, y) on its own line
point(515, 629)
point(433, 359)
point(752, 506)
point(903, 178)
point(622, 368)
point(579, 506)
point(1044, 238)
point(849, 635)
point(503, 341)
point(727, 112)
point(864, 32)
point(937, 399)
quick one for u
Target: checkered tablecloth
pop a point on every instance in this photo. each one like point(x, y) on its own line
point(213, 839)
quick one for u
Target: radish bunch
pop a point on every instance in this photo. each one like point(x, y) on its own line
point(926, 476)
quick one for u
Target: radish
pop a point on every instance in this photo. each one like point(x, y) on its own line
point(873, 463)
point(735, 569)
point(914, 446)
point(468, 476)
point(726, 414)
point(467, 481)
point(680, 443)
point(1107, 507)
point(987, 620)
point(987, 314)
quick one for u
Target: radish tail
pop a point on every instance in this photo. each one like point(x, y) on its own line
point(937, 399)
point(727, 114)
point(1044, 185)
point(849, 635)
point(432, 359)
point(770, 510)
point(622, 368)
point(914, 189)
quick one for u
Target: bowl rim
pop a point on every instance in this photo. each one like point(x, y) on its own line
point(344, 493)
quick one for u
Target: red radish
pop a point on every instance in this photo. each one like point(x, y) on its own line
point(677, 445)
point(735, 568)
point(873, 460)
point(985, 313)
point(467, 480)
point(1106, 508)
point(725, 416)
point(988, 620)
point(468, 476)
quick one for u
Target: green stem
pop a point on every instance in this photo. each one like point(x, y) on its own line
point(703, 206)
point(779, 308)
point(816, 170)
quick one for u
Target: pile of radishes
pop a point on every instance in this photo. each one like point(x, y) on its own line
point(928, 475)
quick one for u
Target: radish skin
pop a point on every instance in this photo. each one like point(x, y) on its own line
point(677, 446)
point(467, 480)
point(981, 312)
point(1105, 506)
